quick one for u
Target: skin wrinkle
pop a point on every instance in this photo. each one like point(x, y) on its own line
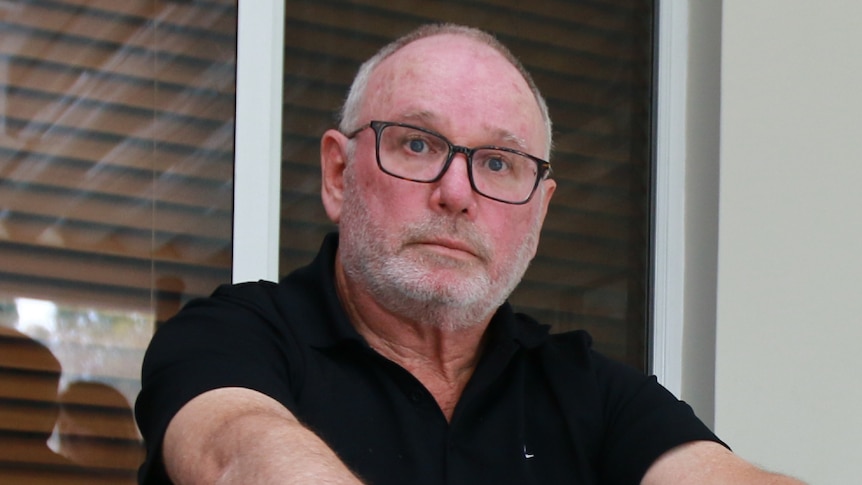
point(500, 137)
point(361, 90)
point(403, 286)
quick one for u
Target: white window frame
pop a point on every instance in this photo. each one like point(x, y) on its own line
point(257, 162)
point(666, 357)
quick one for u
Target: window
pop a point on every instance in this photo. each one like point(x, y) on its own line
point(116, 187)
point(593, 62)
point(116, 170)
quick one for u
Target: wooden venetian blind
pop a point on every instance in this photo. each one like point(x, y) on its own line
point(593, 62)
point(116, 170)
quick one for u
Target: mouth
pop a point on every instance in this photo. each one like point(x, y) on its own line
point(452, 248)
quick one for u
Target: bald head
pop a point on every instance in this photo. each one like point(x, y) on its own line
point(350, 116)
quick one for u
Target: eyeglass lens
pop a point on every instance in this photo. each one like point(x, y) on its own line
point(420, 156)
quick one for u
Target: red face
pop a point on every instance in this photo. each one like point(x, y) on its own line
point(418, 245)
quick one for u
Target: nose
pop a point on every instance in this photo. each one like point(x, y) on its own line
point(453, 192)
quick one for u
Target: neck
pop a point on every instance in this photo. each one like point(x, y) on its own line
point(440, 351)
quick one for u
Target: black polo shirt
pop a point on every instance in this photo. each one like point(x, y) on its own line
point(539, 409)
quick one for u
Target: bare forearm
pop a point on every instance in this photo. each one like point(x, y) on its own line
point(301, 457)
point(706, 463)
point(237, 436)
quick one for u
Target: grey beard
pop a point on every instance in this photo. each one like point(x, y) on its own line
point(401, 285)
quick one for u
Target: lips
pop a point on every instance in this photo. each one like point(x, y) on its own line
point(452, 246)
point(454, 237)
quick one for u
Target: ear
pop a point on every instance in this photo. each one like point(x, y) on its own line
point(549, 185)
point(333, 161)
point(547, 190)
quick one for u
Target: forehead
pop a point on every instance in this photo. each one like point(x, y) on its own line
point(459, 85)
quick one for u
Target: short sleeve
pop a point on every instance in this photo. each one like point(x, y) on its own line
point(228, 340)
point(642, 419)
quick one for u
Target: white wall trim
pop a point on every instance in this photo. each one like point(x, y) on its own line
point(669, 254)
point(257, 165)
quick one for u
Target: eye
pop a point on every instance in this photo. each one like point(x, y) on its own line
point(417, 146)
point(493, 162)
point(495, 165)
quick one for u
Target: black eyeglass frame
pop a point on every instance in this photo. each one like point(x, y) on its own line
point(542, 171)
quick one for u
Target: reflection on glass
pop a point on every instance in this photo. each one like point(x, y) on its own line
point(91, 344)
point(116, 176)
point(72, 374)
point(96, 428)
point(30, 375)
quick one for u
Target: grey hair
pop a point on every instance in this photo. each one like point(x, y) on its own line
point(349, 114)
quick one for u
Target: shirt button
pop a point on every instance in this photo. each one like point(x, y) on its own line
point(415, 396)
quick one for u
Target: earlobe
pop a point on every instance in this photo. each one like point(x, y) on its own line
point(333, 161)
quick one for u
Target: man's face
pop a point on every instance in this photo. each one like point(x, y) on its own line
point(419, 247)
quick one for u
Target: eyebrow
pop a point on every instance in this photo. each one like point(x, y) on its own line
point(428, 118)
point(512, 138)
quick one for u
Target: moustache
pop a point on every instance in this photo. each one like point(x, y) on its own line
point(457, 229)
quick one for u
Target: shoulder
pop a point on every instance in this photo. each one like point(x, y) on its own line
point(257, 297)
point(570, 360)
point(621, 389)
point(235, 323)
point(230, 308)
point(250, 302)
point(305, 290)
point(640, 418)
point(574, 351)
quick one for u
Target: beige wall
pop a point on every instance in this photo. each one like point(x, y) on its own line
point(788, 389)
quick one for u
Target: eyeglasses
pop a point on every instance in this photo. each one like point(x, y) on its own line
point(412, 153)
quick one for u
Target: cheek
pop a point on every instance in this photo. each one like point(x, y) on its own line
point(384, 198)
point(513, 231)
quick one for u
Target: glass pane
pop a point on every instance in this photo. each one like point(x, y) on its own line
point(116, 170)
point(592, 61)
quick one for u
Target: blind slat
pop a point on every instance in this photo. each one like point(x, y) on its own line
point(51, 264)
point(112, 241)
point(117, 153)
point(81, 181)
point(42, 201)
point(128, 32)
point(137, 65)
point(102, 120)
point(204, 105)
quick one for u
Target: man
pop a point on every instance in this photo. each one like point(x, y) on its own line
point(393, 358)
